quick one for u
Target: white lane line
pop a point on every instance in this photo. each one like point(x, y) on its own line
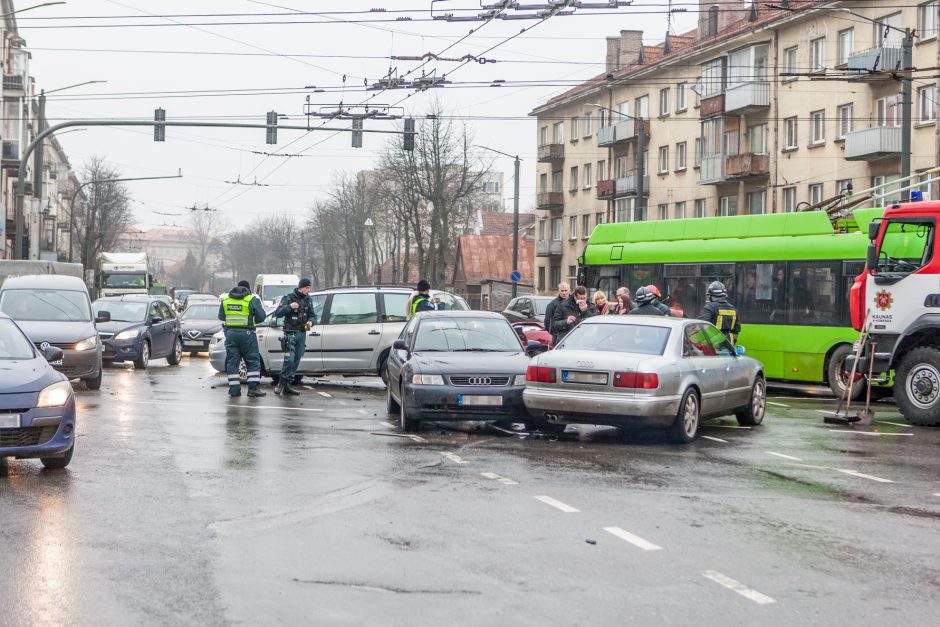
point(501, 479)
point(737, 586)
point(855, 473)
point(325, 394)
point(240, 406)
point(708, 437)
point(796, 459)
point(866, 432)
point(936, 493)
point(457, 459)
point(632, 539)
point(727, 427)
point(363, 412)
point(557, 504)
point(413, 438)
point(777, 404)
point(385, 423)
point(894, 424)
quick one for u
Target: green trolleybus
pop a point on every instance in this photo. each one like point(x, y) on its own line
point(789, 276)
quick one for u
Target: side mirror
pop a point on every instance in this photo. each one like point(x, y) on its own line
point(871, 258)
point(873, 229)
point(400, 345)
point(102, 317)
point(53, 353)
point(520, 332)
point(156, 320)
point(739, 350)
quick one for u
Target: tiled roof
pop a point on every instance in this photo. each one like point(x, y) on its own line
point(501, 223)
point(482, 257)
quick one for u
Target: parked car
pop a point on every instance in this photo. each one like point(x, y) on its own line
point(168, 300)
point(636, 370)
point(37, 409)
point(457, 366)
point(197, 326)
point(179, 295)
point(54, 310)
point(527, 308)
point(534, 331)
point(192, 299)
point(140, 328)
point(355, 329)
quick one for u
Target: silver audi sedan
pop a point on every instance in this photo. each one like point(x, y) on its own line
point(645, 371)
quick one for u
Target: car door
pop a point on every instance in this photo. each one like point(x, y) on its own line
point(398, 358)
point(173, 324)
point(737, 382)
point(158, 334)
point(700, 357)
point(352, 332)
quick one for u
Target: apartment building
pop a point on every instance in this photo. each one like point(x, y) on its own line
point(757, 110)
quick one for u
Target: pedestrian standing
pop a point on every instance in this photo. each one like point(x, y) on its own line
point(564, 291)
point(624, 304)
point(570, 313)
point(601, 306)
point(241, 311)
point(423, 301)
point(299, 316)
point(657, 300)
point(645, 300)
point(720, 312)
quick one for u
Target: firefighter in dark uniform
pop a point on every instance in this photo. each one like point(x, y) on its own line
point(422, 300)
point(297, 310)
point(720, 312)
point(646, 304)
point(241, 311)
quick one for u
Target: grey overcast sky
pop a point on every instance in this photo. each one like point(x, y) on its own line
point(173, 47)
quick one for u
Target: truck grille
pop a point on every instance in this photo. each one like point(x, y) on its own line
point(478, 379)
point(26, 436)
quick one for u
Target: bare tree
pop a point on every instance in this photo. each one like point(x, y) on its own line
point(207, 231)
point(103, 215)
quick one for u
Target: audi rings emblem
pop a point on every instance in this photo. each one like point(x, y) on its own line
point(44, 346)
point(480, 381)
point(585, 364)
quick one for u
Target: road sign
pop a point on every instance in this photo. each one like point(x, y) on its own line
point(516, 277)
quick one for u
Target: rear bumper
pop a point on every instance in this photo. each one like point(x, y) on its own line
point(442, 403)
point(43, 433)
point(609, 409)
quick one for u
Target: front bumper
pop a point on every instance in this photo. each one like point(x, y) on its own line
point(562, 406)
point(121, 350)
point(441, 403)
point(198, 345)
point(79, 364)
point(42, 432)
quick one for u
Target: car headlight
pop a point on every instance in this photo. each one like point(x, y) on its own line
point(427, 379)
point(127, 335)
point(55, 395)
point(87, 344)
point(519, 379)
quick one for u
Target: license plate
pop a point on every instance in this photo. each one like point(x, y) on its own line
point(573, 376)
point(10, 421)
point(465, 400)
point(192, 343)
point(57, 362)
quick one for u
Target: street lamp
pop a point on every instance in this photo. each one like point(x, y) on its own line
point(640, 149)
point(369, 224)
point(35, 6)
point(515, 216)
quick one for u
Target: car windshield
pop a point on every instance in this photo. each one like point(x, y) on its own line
point(617, 338)
point(466, 334)
point(451, 302)
point(122, 311)
point(541, 304)
point(46, 305)
point(275, 292)
point(13, 344)
point(201, 312)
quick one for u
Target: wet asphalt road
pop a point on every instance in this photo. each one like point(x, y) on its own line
point(182, 508)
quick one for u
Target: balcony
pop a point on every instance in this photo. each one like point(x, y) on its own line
point(605, 189)
point(712, 170)
point(747, 97)
point(14, 82)
point(548, 248)
point(870, 144)
point(860, 63)
point(711, 106)
point(627, 185)
point(746, 165)
point(625, 131)
point(550, 200)
point(551, 152)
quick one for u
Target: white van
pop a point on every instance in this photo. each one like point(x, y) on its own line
point(270, 287)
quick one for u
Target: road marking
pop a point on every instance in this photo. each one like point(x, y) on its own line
point(414, 438)
point(556, 504)
point(325, 394)
point(936, 494)
point(866, 432)
point(727, 426)
point(777, 404)
point(632, 539)
point(708, 437)
point(240, 406)
point(457, 459)
point(855, 473)
point(385, 423)
point(495, 477)
point(796, 459)
point(894, 424)
point(363, 412)
point(737, 586)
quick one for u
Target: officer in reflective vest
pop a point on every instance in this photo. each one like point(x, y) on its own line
point(720, 312)
point(241, 311)
point(422, 301)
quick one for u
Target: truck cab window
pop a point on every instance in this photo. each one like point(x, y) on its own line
point(907, 246)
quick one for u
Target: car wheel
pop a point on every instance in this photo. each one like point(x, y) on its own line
point(753, 414)
point(176, 356)
point(685, 428)
point(391, 405)
point(141, 362)
point(837, 376)
point(383, 369)
point(404, 421)
point(917, 386)
point(94, 383)
point(56, 463)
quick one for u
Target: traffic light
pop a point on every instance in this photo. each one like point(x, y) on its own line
point(272, 127)
point(159, 130)
point(357, 133)
point(409, 134)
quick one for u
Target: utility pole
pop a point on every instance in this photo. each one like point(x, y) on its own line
point(907, 64)
point(515, 216)
point(640, 168)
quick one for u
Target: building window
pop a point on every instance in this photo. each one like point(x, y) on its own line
point(598, 218)
point(846, 45)
point(927, 103)
point(789, 199)
point(559, 132)
point(728, 206)
point(680, 210)
point(681, 156)
point(842, 186)
point(924, 188)
point(756, 202)
point(543, 183)
point(888, 111)
point(815, 193)
point(713, 78)
point(697, 157)
point(588, 126)
point(664, 101)
point(543, 136)
point(603, 119)
point(541, 282)
point(880, 195)
point(572, 273)
point(682, 100)
point(623, 209)
point(623, 110)
point(586, 226)
point(601, 170)
point(747, 65)
point(542, 229)
point(642, 106)
point(664, 212)
point(557, 182)
point(622, 167)
point(846, 114)
point(555, 274)
point(557, 228)
point(574, 129)
point(573, 179)
point(817, 55)
point(490, 187)
point(790, 66)
point(588, 176)
point(573, 227)
point(927, 20)
point(699, 207)
point(663, 159)
point(757, 139)
point(818, 126)
point(888, 29)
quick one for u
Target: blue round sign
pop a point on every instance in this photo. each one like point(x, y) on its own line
point(515, 276)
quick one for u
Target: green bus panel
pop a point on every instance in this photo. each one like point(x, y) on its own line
point(793, 352)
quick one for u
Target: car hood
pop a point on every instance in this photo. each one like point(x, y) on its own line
point(206, 327)
point(25, 376)
point(57, 332)
point(470, 363)
point(116, 326)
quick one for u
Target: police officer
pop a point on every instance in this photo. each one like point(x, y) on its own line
point(646, 303)
point(422, 300)
point(297, 310)
point(720, 312)
point(241, 311)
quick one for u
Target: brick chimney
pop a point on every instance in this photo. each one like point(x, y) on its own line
point(613, 54)
point(716, 17)
point(625, 50)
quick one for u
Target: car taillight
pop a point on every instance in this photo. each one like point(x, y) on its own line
point(540, 374)
point(636, 380)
